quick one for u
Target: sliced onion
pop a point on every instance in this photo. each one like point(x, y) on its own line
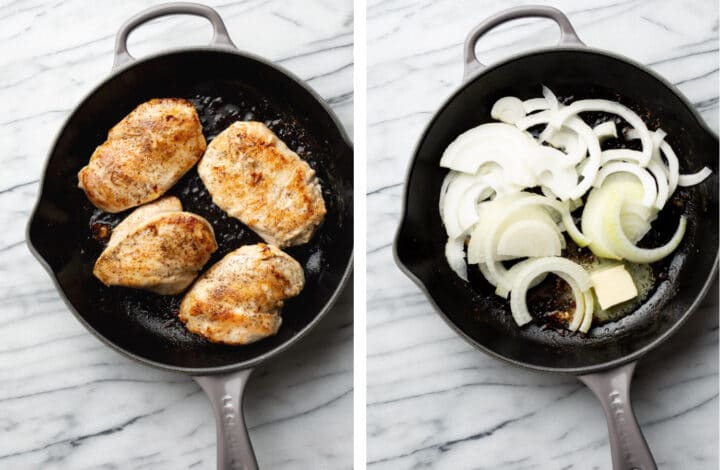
point(545, 239)
point(663, 186)
point(535, 104)
point(591, 168)
point(504, 292)
point(597, 204)
point(572, 273)
point(550, 98)
point(455, 254)
point(589, 143)
point(694, 178)
point(503, 159)
point(467, 212)
point(532, 120)
point(487, 274)
point(591, 223)
point(488, 215)
point(619, 242)
point(554, 171)
point(634, 226)
point(571, 143)
point(493, 231)
point(508, 109)
point(463, 185)
point(443, 190)
point(612, 107)
point(605, 130)
point(493, 143)
point(589, 310)
point(673, 164)
point(650, 193)
point(659, 172)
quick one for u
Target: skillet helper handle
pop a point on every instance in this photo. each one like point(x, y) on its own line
point(568, 36)
point(220, 35)
point(225, 391)
point(627, 443)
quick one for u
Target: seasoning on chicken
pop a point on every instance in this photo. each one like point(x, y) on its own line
point(158, 247)
point(239, 299)
point(144, 155)
point(253, 176)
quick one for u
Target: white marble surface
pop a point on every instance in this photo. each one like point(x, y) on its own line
point(434, 401)
point(67, 401)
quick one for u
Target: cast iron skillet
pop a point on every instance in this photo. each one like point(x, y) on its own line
point(225, 85)
point(605, 359)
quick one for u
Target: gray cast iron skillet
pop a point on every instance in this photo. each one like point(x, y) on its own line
point(605, 359)
point(225, 85)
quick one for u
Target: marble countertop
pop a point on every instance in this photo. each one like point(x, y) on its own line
point(66, 400)
point(433, 400)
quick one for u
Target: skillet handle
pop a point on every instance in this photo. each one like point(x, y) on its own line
point(627, 443)
point(568, 36)
point(234, 449)
point(220, 35)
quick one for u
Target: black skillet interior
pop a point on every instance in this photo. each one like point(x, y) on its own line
point(483, 318)
point(224, 87)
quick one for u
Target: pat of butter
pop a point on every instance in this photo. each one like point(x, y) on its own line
point(613, 286)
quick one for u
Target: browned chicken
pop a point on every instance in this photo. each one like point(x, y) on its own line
point(253, 176)
point(144, 155)
point(239, 299)
point(158, 247)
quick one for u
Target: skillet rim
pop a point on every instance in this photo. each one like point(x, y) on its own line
point(281, 348)
point(634, 356)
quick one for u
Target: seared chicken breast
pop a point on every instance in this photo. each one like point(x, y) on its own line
point(239, 299)
point(253, 176)
point(144, 155)
point(158, 247)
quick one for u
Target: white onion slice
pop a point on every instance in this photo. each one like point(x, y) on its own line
point(634, 226)
point(493, 143)
point(591, 168)
point(443, 190)
point(467, 211)
point(572, 273)
point(673, 164)
point(487, 274)
point(571, 143)
point(459, 187)
point(488, 214)
point(508, 109)
point(694, 178)
point(619, 242)
point(455, 254)
point(532, 120)
point(605, 130)
point(530, 239)
point(657, 168)
point(494, 230)
point(589, 310)
point(504, 292)
point(550, 98)
point(535, 104)
point(607, 106)
point(587, 141)
point(596, 207)
point(650, 193)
